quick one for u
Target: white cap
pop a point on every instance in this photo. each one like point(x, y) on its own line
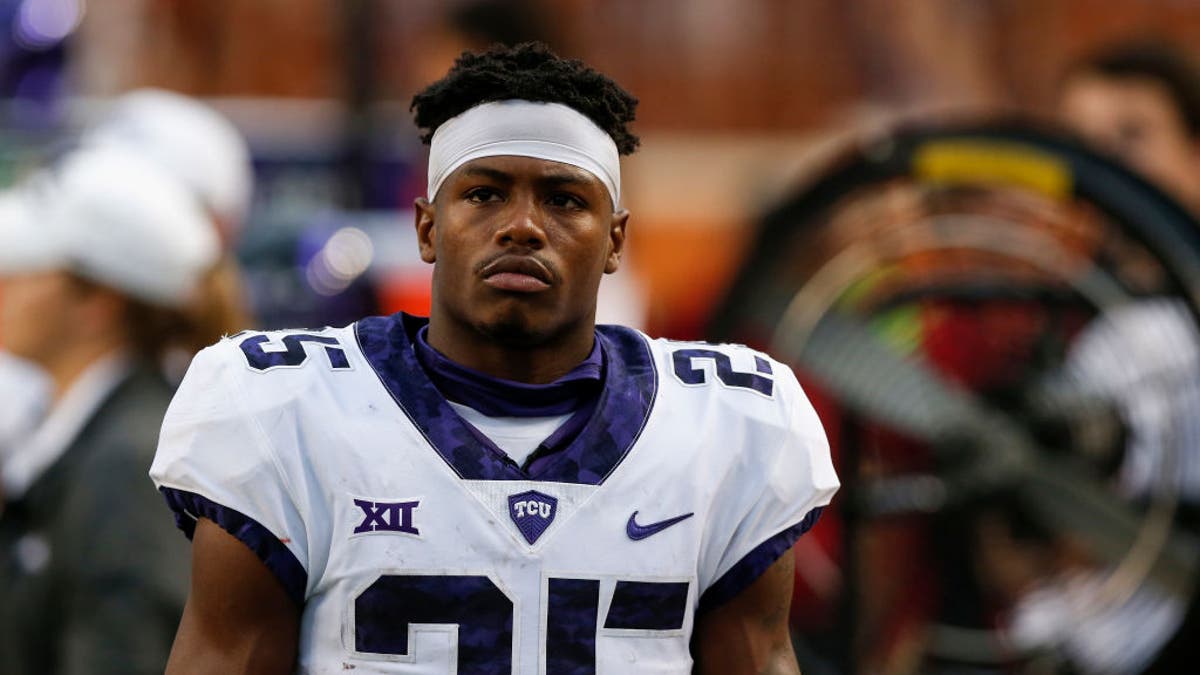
point(195, 143)
point(109, 216)
point(22, 248)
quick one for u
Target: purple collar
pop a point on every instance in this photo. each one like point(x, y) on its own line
point(609, 430)
point(497, 397)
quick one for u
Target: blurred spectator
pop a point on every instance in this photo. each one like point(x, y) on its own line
point(201, 149)
point(192, 142)
point(1139, 102)
point(24, 394)
point(97, 259)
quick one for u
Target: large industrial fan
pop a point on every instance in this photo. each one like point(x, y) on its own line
point(999, 330)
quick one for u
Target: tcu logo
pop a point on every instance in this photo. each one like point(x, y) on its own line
point(386, 516)
point(533, 508)
point(532, 512)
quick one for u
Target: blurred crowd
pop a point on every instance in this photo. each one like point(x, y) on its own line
point(115, 268)
point(124, 250)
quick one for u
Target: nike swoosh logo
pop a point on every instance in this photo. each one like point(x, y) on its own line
point(637, 532)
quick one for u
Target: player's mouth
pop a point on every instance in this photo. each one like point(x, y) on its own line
point(517, 273)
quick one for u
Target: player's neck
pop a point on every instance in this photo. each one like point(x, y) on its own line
point(537, 364)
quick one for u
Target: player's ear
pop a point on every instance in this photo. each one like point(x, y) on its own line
point(616, 240)
point(424, 213)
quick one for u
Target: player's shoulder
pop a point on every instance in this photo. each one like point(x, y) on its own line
point(731, 349)
point(729, 365)
point(744, 380)
point(258, 352)
point(269, 367)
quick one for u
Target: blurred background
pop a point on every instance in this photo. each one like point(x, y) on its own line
point(999, 513)
point(738, 101)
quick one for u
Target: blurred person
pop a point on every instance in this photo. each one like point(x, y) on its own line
point(24, 387)
point(97, 257)
point(200, 148)
point(24, 390)
point(24, 396)
point(504, 486)
point(1140, 103)
point(192, 142)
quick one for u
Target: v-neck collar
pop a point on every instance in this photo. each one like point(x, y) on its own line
point(624, 405)
point(496, 397)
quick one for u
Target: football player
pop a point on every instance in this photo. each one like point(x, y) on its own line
point(504, 487)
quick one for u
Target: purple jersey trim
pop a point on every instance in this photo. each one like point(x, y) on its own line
point(622, 408)
point(572, 615)
point(497, 397)
point(560, 439)
point(648, 605)
point(753, 564)
point(188, 506)
point(386, 610)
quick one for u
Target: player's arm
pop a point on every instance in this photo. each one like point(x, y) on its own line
point(749, 633)
point(238, 618)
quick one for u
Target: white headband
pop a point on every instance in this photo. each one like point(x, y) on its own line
point(550, 131)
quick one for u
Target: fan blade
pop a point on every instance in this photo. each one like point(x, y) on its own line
point(910, 396)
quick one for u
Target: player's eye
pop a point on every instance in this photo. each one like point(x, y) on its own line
point(566, 200)
point(480, 195)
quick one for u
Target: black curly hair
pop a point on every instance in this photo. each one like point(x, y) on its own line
point(528, 71)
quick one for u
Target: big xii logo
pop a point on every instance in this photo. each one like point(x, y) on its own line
point(386, 516)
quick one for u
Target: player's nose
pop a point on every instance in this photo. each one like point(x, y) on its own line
point(524, 224)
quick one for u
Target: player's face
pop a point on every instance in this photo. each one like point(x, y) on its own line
point(519, 246)
point(1135, 118)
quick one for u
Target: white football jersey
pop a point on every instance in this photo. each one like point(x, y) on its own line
point(416, 546)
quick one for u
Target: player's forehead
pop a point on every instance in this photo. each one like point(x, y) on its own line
point(512, 168)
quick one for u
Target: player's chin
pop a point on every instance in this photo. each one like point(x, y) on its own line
point(516, 325)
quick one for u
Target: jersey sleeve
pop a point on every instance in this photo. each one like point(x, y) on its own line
point(215, 461)
point(780, 484)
